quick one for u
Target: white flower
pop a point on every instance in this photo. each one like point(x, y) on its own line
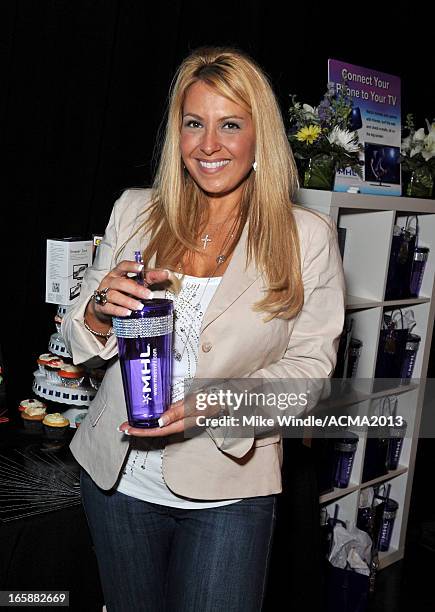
point(430, 130)
point(420, 142)
point(419, 135)
point(310, 112)
point(345, 139)
point(406, 144)
point(429, 142)
point(428, 153)
point(416, 149)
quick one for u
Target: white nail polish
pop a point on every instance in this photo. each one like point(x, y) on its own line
point(139, 267)
point(161, 422)
point(150, 296)
point(128, 313)
point(126, 432)
point(120, 430)
point(139, 308)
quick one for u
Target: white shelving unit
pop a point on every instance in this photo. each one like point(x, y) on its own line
point(369, 222)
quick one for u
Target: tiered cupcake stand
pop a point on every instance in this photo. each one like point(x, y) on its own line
point(74, 400)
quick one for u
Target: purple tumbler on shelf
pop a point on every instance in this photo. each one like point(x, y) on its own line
point(420, 258)
point(387, 525)
point(355, 348)
point(345, 449)
point(412, 344)
point(395, 444)
point(145, 356)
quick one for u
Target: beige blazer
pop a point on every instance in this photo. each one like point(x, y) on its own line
point(234, 343)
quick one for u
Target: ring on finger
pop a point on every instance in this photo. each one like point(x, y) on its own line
point(100, 296)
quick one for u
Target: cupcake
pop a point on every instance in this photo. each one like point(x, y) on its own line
point(71, 376)
point(43, 360)
point(96, 376)
point(55, 425)
point(31, 403)
point(32, 418)
point(80, 418)
point(52, 369)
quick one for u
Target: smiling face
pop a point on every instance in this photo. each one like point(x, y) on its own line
point(217, 142)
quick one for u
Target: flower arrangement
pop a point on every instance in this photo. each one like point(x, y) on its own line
point(418, 147)
point(417, 157)
point(323, 138)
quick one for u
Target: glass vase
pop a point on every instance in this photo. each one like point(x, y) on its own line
point(418, 183)
point(319, 173)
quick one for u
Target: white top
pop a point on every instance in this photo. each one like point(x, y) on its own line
point(142, 476)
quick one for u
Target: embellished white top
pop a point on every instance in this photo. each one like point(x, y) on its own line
point(142, 476)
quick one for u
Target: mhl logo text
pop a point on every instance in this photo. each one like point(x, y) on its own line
point(146, 375)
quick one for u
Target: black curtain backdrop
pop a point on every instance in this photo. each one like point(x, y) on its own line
point(84, 90)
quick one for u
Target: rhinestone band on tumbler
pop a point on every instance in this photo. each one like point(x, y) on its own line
point(143, 328)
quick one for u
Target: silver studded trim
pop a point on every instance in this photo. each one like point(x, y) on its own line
point(143, 328)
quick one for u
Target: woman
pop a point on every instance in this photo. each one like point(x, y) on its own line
point(185, 523)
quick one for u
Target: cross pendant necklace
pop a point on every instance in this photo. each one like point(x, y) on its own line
point(205, 240)
point(220, 259)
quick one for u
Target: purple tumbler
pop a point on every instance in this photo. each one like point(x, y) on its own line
point(345, 449)
point(412, 344)
point(355, 348)
point(420, 258)
point(145, 356)
point(386, 531)
point(395, 444)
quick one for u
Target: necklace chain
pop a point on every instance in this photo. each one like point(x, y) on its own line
point(207, 238)
point(221, 257)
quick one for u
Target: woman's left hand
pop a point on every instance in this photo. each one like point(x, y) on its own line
point(175, 419)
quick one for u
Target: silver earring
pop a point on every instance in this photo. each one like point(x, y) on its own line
point(254, 165)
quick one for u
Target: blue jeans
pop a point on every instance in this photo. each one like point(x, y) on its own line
point(155, 558)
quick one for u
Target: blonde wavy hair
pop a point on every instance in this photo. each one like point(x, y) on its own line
point(178, 205)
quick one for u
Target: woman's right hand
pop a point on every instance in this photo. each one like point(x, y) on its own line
point(123, 293)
